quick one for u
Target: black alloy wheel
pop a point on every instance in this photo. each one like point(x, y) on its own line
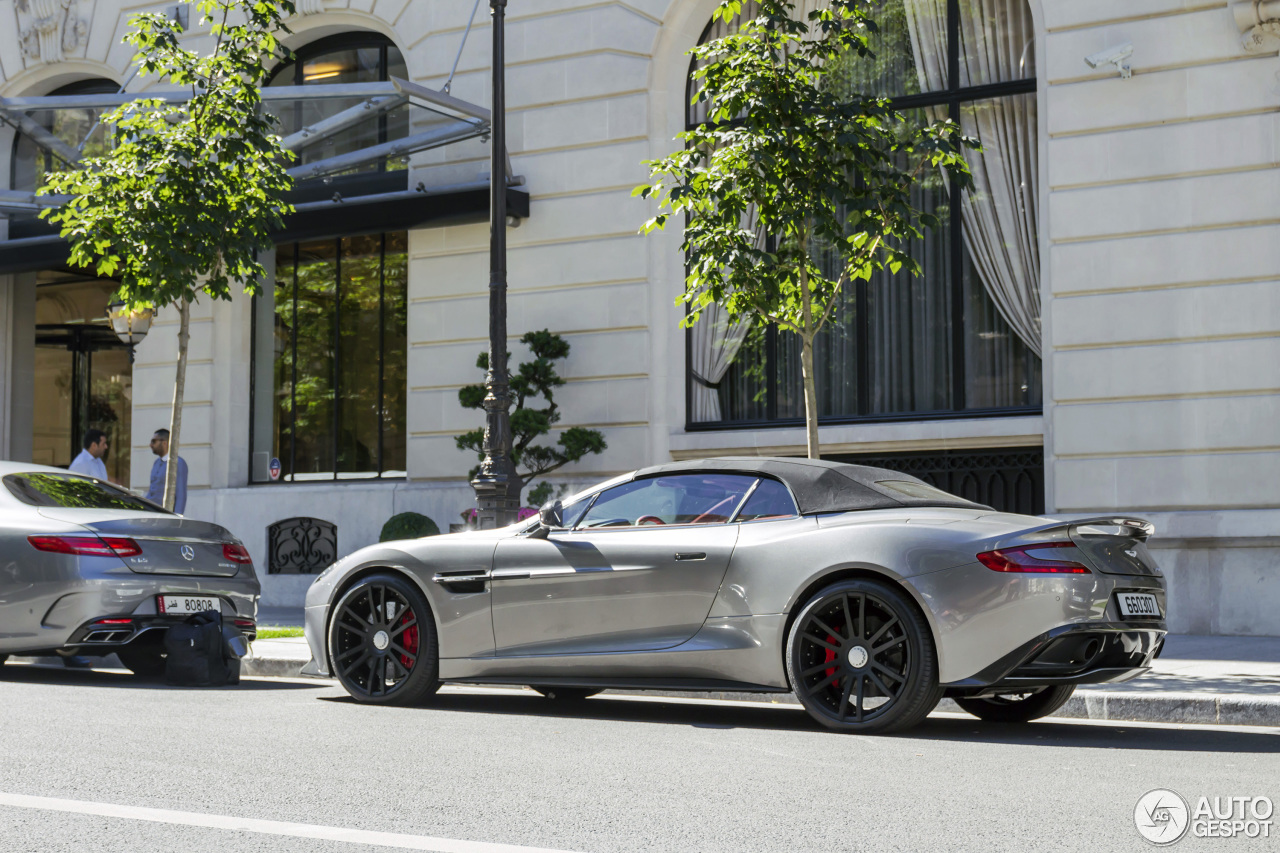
point(382, 642)
point(143, 657)
point(1018, 707)
point(860, 658)
point(565, 694)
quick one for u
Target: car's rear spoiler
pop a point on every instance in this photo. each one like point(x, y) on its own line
point(1138, 528)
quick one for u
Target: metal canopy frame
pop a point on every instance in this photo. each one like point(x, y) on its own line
point(456, 120)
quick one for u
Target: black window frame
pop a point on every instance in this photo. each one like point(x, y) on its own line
point(953, 98)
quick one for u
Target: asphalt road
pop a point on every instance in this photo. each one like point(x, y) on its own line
point(612, 774)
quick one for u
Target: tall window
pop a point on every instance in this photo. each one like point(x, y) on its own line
point(964, 337)
point(329, 376)
point(343, 58)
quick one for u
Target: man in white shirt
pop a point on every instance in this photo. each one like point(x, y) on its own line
point(89, 462)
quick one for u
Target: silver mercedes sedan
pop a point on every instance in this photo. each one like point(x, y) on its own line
point(87, 568)
point(868, 593)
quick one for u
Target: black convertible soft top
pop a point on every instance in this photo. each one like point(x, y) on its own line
point(822, 486)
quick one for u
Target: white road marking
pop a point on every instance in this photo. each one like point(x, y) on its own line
point(268, 827)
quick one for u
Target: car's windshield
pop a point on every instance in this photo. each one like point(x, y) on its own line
point(68, 491)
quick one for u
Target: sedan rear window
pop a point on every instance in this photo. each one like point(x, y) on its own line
point(69, 491)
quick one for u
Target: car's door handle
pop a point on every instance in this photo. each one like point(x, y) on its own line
point(688, 555)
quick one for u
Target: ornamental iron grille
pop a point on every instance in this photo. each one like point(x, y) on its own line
point(301, 546)
point(1009, 480)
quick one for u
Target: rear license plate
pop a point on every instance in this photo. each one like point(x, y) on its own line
point(185, 605)
point(1140, 605)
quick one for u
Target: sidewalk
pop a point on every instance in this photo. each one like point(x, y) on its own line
point(1223, 680)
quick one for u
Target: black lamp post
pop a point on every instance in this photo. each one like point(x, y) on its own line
point(495, 507)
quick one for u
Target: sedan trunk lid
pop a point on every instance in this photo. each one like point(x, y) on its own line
point(170, 545)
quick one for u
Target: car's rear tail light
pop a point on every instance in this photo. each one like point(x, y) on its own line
point(245, 623)
point(87, 546)
point(114, 622)
point(1034, 559)
point(236, 553)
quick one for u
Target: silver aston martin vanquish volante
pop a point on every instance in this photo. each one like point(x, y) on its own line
point(88, 568)
point(867, 592)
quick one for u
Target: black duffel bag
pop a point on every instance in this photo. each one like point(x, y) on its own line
point(197, 652)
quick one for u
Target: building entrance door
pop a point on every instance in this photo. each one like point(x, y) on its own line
point(83, 376)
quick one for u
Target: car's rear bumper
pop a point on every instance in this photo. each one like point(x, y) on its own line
point(1087, 653)
point(72, 619)
point(107, 633)
point(982, 618)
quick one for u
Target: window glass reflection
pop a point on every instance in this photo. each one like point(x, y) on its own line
point(329, 373)
point(657, 501)
point(367, 59)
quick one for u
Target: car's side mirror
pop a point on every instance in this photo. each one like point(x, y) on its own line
point(552, 514)
point(550, 517)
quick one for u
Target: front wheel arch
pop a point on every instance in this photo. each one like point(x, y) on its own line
point(417, 683)
point(836, 575)
point(354, 578)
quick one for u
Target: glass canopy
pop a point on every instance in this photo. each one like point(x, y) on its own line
point(334, 129)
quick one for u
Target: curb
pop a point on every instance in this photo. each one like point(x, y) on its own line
point(1196, 708)
point(274, 666)
point(1229, 709)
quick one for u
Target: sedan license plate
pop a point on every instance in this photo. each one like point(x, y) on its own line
point(1141, 605)
point(185, 605)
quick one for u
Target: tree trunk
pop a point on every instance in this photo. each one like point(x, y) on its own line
point(175, 422)
point(806, 368)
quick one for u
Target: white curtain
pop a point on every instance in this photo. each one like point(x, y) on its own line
point(716, 340)
point(999, 214)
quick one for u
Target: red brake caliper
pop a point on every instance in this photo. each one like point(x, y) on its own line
point(830, 656)
point(409, 641)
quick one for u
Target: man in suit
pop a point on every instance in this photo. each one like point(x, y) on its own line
point(160, 470)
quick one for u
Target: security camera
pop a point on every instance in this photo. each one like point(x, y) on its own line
point(1116, 56)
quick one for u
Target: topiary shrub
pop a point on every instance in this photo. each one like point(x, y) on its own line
point(408, 525)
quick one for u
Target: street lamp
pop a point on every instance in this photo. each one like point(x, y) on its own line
point(130, 326)
point(495, 506)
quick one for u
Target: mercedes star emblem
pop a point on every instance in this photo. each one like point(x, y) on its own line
point(188, 553)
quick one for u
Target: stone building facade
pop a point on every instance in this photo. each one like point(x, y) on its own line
point(1102, 337)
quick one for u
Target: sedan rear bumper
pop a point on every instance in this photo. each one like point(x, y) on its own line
point(120, 631)
point(75, 618)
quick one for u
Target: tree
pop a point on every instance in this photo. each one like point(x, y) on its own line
point(789, 172)
point(186, 194)
point(536, 378)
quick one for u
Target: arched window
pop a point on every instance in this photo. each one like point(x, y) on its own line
point(962, 337)
point(359, 57)
point(78, 128)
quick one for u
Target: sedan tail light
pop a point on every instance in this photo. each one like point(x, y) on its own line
point(87, 546)
point(236, 553)
point(1034, 559)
